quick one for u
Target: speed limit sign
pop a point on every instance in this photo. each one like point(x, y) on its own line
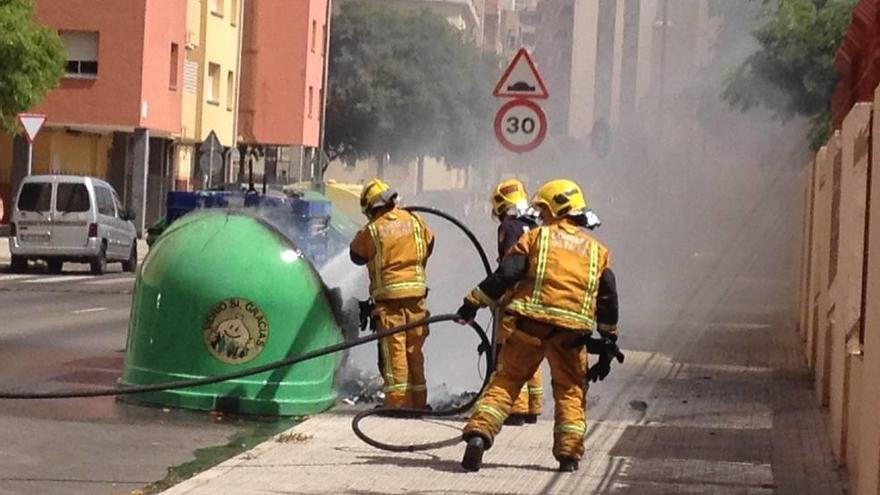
point(520, 125)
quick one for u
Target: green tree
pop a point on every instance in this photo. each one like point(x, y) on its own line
point(405, 84)
point(793, 73)
point(32, 59)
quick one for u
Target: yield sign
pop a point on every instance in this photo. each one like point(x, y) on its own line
point(521, 79)
point(31, 122)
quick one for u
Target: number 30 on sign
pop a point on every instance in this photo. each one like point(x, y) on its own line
point(520, 125)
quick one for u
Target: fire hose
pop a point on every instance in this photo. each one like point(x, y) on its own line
point(486, 343)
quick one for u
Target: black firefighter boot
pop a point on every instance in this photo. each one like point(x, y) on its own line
point(473, 453)
point(568, 464)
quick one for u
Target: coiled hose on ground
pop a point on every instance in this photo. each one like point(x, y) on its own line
point(487, 344)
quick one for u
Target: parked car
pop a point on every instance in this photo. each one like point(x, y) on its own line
point(58, 218)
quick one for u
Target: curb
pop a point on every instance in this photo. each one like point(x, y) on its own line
point(5, 256)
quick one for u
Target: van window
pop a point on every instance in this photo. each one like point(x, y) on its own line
point(118, 203)
point(72, 198)
point(105, 201)
point(35, 196)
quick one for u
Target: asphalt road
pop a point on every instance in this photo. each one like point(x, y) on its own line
point(68, 331)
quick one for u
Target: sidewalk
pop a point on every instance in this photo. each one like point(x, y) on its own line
point(730, 415)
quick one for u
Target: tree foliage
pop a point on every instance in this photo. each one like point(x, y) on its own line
point(403, 83)
point(793, 73)
point(32, 59)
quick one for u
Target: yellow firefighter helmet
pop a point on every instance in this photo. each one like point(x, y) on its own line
point(376, 194)
point(508, 194)
point(561, 197)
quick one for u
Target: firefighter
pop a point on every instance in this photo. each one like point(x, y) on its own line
point(510, 205)
point(562, 290)
point(395, 245)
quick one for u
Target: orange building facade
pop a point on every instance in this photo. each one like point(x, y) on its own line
point(282, 86)
point(131, 87)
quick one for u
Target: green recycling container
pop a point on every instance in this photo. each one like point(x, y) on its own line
point(222, 291)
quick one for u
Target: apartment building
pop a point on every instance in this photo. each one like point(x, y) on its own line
point(281, 109)
point(464, 15)
point(609, 61)
point(118, 107)
point(149, 82)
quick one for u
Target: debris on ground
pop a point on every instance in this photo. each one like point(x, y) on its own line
point(357, 386)
point(441, 398)
point(293, 437)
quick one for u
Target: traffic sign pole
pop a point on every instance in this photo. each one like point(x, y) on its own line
point(30, 157)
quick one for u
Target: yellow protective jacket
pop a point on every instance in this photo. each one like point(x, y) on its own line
point(558, 274)
point(396, 245)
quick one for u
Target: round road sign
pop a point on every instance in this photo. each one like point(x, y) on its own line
point(520, 125)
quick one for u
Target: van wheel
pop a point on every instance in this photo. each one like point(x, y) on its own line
point(99, 264)
point(18, 264)
point(130, 265)
point(55, 266)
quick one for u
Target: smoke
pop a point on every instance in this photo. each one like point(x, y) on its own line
point(692, 194)
point(694, 197)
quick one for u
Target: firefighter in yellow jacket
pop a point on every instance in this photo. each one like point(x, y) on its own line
point(395, 245)
point(510, 205)
point(562, 291)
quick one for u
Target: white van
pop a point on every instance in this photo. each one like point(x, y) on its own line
point(60, 218)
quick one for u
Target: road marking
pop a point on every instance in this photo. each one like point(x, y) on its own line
point(89, 310)
point(109, 281)
point(14, 277)
point(62, 278)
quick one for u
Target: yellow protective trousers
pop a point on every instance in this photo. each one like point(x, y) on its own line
point(401, 361)
point(520, 356)
point(531, 397)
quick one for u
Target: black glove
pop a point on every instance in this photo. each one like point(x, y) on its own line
point(600, 370)
point(467, 312)
point(366, 314)
point(607, 350)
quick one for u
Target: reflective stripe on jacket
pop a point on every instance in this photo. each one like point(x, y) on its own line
point(396, 245)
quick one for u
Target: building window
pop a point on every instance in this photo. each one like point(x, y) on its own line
point(217, 7)
point(324, 42)
point(314, 34)
point(230, 91)
point(172, 76)
point(214, 83)
point(233, 12)
point(82, 53)
point(311, 99)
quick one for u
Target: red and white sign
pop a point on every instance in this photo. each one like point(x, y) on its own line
point(31, 122)
point(520, 125)
point(521, 79)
